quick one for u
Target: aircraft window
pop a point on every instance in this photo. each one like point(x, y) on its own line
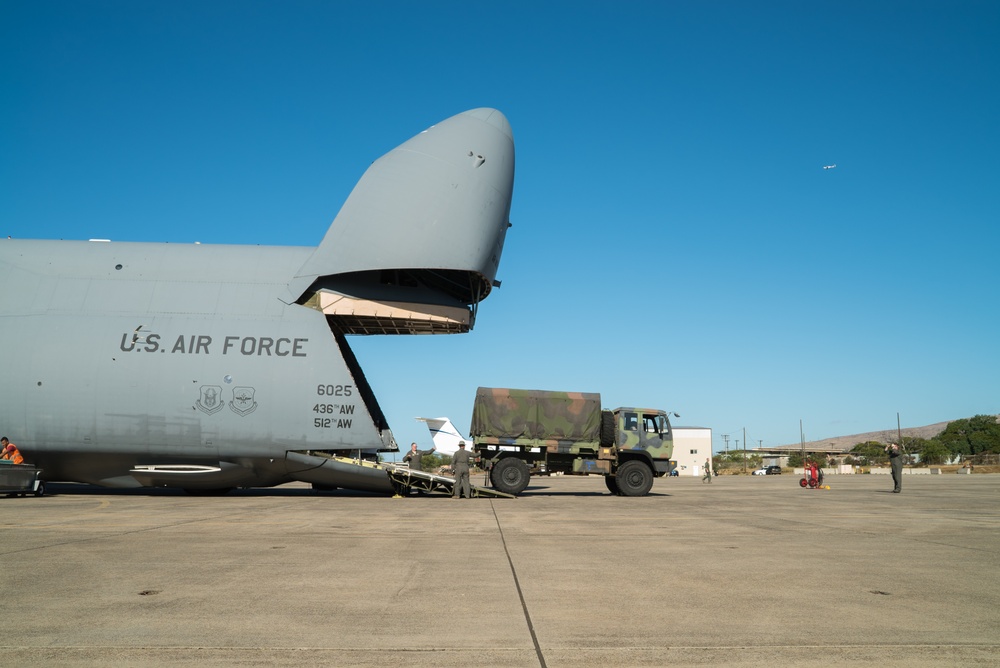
point(631, 422)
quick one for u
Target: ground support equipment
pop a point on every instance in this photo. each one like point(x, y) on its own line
point(20, 479)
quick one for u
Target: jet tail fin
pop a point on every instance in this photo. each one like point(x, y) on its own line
point(445, 435)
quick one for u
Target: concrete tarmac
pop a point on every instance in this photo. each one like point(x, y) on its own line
point(746, 571)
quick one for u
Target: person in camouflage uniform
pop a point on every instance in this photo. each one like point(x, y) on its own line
point(896, 463)
point(414, 456)
point(460, 463)
point(708, 471)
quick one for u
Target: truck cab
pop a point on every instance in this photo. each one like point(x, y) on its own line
point(646, 433)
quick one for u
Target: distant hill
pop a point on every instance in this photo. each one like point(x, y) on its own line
point(845, 443)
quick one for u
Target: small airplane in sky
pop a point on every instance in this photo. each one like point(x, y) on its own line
point(208, 367)
point(830, 166)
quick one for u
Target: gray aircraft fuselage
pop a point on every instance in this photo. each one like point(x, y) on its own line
point(212, 366)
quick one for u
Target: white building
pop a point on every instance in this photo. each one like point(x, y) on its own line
point(692, 446)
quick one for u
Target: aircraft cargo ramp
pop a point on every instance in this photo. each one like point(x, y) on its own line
point(320, 468)
point(429, 482)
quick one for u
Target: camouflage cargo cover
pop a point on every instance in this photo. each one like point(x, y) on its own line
point(503, 416)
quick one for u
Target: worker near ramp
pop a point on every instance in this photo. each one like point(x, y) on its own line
point(460, 464)
point(414, 457)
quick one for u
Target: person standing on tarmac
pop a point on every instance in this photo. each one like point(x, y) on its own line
point(460, 463)
point(414, 459)
point(708, 471)
point(414, 456)
point(896, 462)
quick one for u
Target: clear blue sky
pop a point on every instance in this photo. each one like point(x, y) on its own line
point(676, 242)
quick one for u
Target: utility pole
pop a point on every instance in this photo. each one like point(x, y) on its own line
point(899, 433)
point(802, 444)
point(725, 437)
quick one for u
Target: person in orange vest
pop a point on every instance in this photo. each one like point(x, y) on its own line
point(10, 451)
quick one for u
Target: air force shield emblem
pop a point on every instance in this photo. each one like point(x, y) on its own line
point(243, 402)
point(210, 401)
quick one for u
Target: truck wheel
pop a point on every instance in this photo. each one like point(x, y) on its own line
point(608, 429)
point(612, 483)
point(510, 476)
point(41, 489)
point(634, 478)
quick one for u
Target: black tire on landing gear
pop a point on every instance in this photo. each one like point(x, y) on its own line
point(803, 482)
point(634, 478)
point(612, 483)
point(510, 476)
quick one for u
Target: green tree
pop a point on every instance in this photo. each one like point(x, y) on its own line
point(934, 452)
point(821, 458)
point(984, 434)
point(954, 437)
point(971, 436)
point(870, 452)
point(733, 460)
point(732, 457)
point(432, 461)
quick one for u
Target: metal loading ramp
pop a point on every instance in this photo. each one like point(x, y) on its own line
point(325, 468)
point(403, 478)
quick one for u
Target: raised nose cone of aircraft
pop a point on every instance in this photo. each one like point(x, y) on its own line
point(492, 117)
point(432, 213)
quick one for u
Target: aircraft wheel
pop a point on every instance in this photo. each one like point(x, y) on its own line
point(634, 478)
point(612, 484)
point(510, 476)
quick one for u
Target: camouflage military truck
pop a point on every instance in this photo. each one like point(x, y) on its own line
point(519, 433)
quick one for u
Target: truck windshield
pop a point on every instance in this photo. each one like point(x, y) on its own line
point(655, 424)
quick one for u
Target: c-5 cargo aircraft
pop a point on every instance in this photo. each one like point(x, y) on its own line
point(208, 367)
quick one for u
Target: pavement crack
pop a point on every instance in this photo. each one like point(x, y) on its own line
point(520, 594)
